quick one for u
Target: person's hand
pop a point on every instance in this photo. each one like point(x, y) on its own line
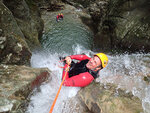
point(68, 60)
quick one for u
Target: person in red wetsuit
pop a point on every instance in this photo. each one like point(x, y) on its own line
point(59, 17)
point(85, 71)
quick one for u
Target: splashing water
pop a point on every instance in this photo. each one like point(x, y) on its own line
point(60, 39)
point(42, 98)
point(66, 38)
point(127, 72)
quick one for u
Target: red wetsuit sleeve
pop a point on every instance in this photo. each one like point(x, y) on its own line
point(80, 80)
point(79, 57)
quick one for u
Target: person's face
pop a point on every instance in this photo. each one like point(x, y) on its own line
point(93, 63)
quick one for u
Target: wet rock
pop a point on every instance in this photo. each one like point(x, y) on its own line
point(125, 26)
point(13, 52)
point(2, 43)
point(76, 106)
point(55, 7)
point(6, 105)
point(28, 20)
point(147, 78)
point(122, 25)
point(12, 38)
point(79, 3)
point(98, 10)
point(16, 83)
point(1, 32)
point(108, 99)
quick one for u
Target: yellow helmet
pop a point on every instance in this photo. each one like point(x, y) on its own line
point(103, 58)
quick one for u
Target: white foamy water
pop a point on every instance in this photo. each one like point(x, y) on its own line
point(126, 71)
point(42, 98)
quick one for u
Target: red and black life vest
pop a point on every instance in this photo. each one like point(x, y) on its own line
point(77, 68)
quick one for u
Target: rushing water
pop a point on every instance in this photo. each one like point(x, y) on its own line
point(42, 98)
point(60, 39)
point(127, 71)
point(72, 37)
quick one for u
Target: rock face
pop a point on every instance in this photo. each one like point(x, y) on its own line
point(20, 30)
point(126, 26)
point(16, 82)
point(13, 47)
point(28, 19)
point(76, 105)
point(119, 24)
point(108, 99)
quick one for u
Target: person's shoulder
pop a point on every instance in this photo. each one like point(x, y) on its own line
point(94, 73)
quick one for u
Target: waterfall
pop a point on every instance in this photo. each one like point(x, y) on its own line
point(69, 37)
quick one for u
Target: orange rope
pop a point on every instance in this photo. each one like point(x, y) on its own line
point(58, 91)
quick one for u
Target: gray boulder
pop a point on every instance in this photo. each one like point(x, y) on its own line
point(108, 99)
point(13, 47)
point(28, 19)
point(16, 83)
